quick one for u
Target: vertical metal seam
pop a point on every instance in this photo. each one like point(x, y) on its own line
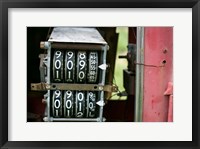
point(139, 75)
point(142, 74)
point(102, 83)
point(48, 80)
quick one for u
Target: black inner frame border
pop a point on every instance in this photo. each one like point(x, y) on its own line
point(6, 4)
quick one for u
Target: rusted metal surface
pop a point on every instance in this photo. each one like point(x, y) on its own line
point(78, 46)
point(38, 86)
point(76, 35)
point(129, 82)
point(111, 37)
point(43, 69)
point(68, 86)
point(158, 50)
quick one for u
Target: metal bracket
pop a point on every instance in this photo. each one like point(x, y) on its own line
point(68, 86)
point(43, 68)
point(38, 86)
point(51, 119)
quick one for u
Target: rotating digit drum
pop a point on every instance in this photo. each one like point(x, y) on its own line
point(81, 67)
point(58, 66)
point(80, 104)
point(68, 104)
point(69, 66)
point(92, 67)
point(57, 103)
point(91, 104)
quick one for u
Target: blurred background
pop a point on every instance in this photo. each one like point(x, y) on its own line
point(120, 64)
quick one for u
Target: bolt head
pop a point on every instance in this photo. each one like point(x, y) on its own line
point(165, 51)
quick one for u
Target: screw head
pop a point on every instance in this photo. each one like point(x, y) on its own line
point(165, 51)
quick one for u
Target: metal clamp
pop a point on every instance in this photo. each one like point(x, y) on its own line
point(71, 86)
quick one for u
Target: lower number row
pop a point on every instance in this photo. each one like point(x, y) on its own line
point(78, 104)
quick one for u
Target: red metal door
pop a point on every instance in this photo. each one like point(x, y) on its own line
point(158, 71)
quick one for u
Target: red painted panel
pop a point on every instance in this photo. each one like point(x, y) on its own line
point(170, 112)
point(158, 48)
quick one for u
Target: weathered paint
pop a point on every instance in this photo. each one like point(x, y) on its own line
point(158, 70)
point(169, 93)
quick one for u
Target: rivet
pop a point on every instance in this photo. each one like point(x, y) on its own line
point(47, 86)
point(100, 88)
